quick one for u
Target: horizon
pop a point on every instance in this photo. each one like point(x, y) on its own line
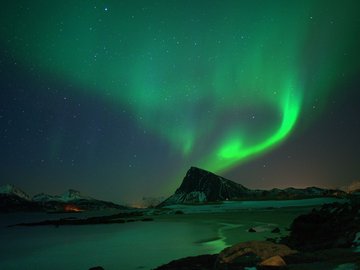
point(140, 201)
point(119, 99)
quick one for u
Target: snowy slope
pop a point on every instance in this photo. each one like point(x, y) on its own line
point(14, 199)
point(68, 196)
point(12, 190)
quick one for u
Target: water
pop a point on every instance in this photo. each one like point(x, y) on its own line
point(116, 246)
point(130, 246)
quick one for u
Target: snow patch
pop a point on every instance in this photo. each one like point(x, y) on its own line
point(177, 203)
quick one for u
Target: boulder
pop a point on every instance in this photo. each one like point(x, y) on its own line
point(96, 268)
point(251, 230)
point(331, 226)
point(275, 262)
point(250, 254)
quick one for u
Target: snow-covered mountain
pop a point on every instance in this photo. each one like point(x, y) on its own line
point(12, 190)
point(68, 196)
point(73, 199)
point(42, 197)
point(73, 194)
point(14, 199)
point(201, 186)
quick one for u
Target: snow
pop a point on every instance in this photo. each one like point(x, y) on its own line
point(42, 197)
point(71, 195)
point(194, 197)
point(238, 205)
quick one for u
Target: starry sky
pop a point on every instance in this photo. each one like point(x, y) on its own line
point(119, 98)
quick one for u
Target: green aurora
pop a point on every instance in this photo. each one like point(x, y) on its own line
point(219, 81)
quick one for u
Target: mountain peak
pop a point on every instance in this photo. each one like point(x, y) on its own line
point(12, 190)
point(194, 168)
point(67, 196)
point(200, 186)
point(197, 179)
point(72, 194)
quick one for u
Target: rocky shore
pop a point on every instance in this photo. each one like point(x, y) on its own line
point(325, 238)
point(110, 219)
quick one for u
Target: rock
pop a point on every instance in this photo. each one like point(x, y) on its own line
point(254, 251)
point(179, 212)
point(96, 268)
point(275, 262)
point(332, 226)
point(202, 262)
point(276, 230)
point(251, 230)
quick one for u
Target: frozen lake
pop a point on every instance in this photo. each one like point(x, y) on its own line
point(141, 245)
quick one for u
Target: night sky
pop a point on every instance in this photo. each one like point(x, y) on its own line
point(119, 98)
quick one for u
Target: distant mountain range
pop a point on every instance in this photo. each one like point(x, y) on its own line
point(201, 186)
point(14, 199)
point(198, 186)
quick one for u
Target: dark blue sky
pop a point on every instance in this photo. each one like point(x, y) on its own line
point(118, 100)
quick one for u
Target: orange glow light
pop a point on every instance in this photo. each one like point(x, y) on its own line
point(71, 208)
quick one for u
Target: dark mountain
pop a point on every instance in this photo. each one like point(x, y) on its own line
point(14, 199)
point(11, 203)
point(201, 186)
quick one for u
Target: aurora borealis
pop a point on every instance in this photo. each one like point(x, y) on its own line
point(129, 94)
